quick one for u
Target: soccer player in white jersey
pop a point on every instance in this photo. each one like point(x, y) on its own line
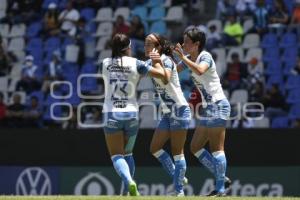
point(176, 115)
point(211, 124)
point(121, 74)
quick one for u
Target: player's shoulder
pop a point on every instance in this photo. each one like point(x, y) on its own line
point(167, 61)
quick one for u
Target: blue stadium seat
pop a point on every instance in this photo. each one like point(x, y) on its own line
point(288, 40)
point(289, 5)
point(294, 96)
point(280, 122)
point(157, 13)
point(271, 54)
point(294, 112)
point(39, 95)
point(292, 82)
point(289, 54)
point(140, 11)
point(146, 26)
point(52, 44)
point(35, 44)
point(274, 67)
point(275, 79)
point(62, 4)
point(158, 27)
point(74, 99)
point(67, 41)
point(57, 112)
point(154, 3)
point(269, 40)
point(34, 29)
point(88, 68)
point(87, 13)
point(288, 66)
point(89, 84)
point(38, 54)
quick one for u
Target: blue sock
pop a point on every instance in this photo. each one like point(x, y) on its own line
point(180, 169)
point(220, 163)
point(207, 160)
point(122, 168)
point(166, 161)
point(130, 161)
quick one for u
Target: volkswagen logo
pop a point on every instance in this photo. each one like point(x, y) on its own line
point(94, 184)
point(33, 181)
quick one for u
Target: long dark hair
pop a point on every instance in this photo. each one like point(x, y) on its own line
point(196, 36)
point(166, 46)
point(120, 43)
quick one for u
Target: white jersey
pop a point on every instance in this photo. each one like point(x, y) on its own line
point(121, 76)
point(208, 83)
point(171, 93)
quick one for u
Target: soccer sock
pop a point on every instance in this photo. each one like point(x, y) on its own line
point(206, 159)
point(130, 161)
point(166, 161)
point(179, 174)
point(122, 168)
point(220, 163)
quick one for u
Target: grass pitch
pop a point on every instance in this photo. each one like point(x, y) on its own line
point(137, 198)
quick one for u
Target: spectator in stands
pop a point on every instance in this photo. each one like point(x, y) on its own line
point(245, 122)
point(296, 70)
point(274, 103)
point(137, 36)
point(51, 22)
point(68, 19)
point(213, 38)
point(236, 73)
point(296, 14)
point(120, 26)
point(278, 17)
point(2, 110)
point(5, 61)
point(260, 18)
point(54, 71)
point(93, 118)
point(245, 7)
point(256, 92)
point(15, 113)
point(233, 32)
point(255, 72)
point(28, 82)
point(224, 7)
point(296, 123)
point(33, 113)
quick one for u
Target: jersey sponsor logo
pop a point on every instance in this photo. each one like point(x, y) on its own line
point(94, 184)
point(33, 181)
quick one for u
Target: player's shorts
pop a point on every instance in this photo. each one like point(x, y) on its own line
point(214, 115)
point(177, 120)
point(121, 121)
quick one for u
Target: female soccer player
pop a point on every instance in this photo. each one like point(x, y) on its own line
point(176, 115)
point(121, 74)
point(216, 109)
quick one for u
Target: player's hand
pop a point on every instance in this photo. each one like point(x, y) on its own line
point(154, 56)
point(179, 51)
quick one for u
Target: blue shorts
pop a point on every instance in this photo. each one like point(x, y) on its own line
point(177, 120)
point(214, 115)
point(121, 121)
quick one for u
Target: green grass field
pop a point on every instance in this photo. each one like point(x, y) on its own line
point(137, 198)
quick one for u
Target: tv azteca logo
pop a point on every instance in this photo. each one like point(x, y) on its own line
point(94, 184)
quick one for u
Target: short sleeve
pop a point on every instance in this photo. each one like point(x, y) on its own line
point(184, 66)
point(168, 64)
point(143, 67)
point(206, 59)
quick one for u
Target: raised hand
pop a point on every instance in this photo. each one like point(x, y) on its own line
point(154, 56)
point(179, 51)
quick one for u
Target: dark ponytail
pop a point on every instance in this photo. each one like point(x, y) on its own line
point(120, 43)
point(197, 36)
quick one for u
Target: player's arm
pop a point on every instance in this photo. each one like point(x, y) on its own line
point(199, 69)
point(157, 63)
point(156, 70)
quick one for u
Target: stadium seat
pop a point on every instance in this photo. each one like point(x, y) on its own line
point(52, 44)
point(20, 55)
point(158, 27)
point(89, 85)
point(289, 5)
point(140, 11)
point(270, 54)
point(67, 41)
point(280, 122)
point(175, 14)
point(288, 40)
point(87, 13)
point(72, 53)
point(294, 96)
point(3, 84)
point(88, 68)
point(239, 96)
point(275, 79)
point(274, 67)
point(217, 23)
point(35, 44)
point(4, 30)
point(39, 95)
point(288, 67)
point(156, 13)
point(292, 82)
point(34, 29)
point(145, 84)
point(290, 54)
point(253, 53)
point(3, 4)
point(104, 29)
point(237, 50)
point(262, 123)
point(251, 41)
point(37, 54)
point(17, 30)
point(62, 4)
point(74, 100)
point(47, 2)
point(16, 70)
point(269, 40)
point(104, 14)
point(16, 44)
point(221, 53)
point(104, 54)
point(294, 112)
point(123, 11)
point(247, 25)
point(102, 41)
point(154, 3)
